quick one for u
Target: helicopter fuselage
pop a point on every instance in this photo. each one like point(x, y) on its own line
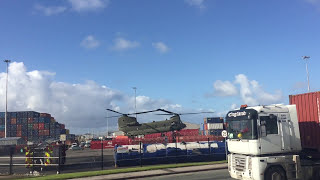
point(131, 127)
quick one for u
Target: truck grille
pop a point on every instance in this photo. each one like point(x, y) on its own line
point(239, 163)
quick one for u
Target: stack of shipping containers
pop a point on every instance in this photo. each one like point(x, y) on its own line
point(214, 125)
point(31, 126)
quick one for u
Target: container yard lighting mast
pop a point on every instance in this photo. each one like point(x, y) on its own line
point(307, 58)
point(5, 116)
point(107, 125)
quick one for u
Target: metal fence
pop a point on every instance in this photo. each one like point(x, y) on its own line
point(31, 160)
point(14, 160)
point(178, 152)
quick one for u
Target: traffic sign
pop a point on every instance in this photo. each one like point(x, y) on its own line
point(224, 133)
point(63, 137)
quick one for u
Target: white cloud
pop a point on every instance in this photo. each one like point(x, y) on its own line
point(48, 11)
point(80, 106)
point(245, 89)
point(250, 91)
point(121, 44)
point(88, 5)
point(224, 88)
point(253, 94)
point(233, 106)
point(161, 47)
point(90, 42)
point(196, 3)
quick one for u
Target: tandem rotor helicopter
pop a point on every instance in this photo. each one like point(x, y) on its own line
point(131, 127)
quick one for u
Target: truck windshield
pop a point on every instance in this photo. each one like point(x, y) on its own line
point(242, 124)
point(242, 129)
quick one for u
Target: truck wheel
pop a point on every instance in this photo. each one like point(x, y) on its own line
point(275, 173)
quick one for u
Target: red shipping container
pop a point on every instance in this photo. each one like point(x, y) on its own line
point(13, 120)
point(1, 134)
point(41, 126)
point(308, 111)
point(35, 126)
point(30, 120)
point(41, 132)
point(45, 115)
point(205, 126)
point(19, 127)
point(46, 132)
point(19, 133)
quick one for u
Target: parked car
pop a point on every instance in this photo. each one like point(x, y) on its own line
point(75, 146)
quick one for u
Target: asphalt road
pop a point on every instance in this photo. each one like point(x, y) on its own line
point(221, 174)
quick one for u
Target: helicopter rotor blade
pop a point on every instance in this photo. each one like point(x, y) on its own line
point(185, 113)
point(143, 112)
point(112, 116)
point(169, 112)
point(114, 111)
point(195, 113)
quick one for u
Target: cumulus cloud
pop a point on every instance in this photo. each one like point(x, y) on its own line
point(196, 3)
point(250, 91)
point(88, 5)
point(90, 42)
point(80, 106)
point(224, 88)
point(48, 11)
point(121, 44)
point(233, 106)
point(160, 47)
point(253, 94)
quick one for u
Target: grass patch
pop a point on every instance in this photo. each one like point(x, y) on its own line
point(121, 170)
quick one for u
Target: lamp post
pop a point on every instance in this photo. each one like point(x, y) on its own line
point(307, 58)
point(107, 125)
point(5, 118)
point(135, 100)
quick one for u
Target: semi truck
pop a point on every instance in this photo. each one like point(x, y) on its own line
point(275, 142)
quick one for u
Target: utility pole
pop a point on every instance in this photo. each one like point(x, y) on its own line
point(135, 100)
point(5, 118)
point(306, 58)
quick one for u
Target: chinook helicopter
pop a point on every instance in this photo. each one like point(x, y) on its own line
point(131, 127)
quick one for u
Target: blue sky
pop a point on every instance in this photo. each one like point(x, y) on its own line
point(196, 54)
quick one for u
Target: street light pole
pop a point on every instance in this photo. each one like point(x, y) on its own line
point(107, 125)
point(307, 58)
point(5, 118)
point(135, 100)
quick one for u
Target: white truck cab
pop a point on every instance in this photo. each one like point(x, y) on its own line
point(264, 143)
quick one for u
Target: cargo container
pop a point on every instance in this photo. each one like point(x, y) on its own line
point(214, 120)
point(276, 141)
point(215, 126)
point(31, 125)
point(308, 110)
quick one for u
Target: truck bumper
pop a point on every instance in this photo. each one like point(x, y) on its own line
point(245, 167)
